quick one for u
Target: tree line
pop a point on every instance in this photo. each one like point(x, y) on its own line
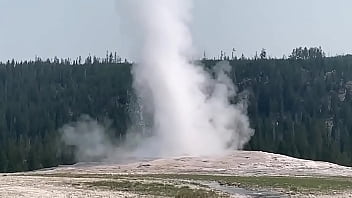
point(300, 106)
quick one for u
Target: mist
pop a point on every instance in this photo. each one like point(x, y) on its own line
point(191, 111)
point(90, 139)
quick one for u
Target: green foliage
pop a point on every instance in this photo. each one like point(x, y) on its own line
point(299, 106)
point(37, 98)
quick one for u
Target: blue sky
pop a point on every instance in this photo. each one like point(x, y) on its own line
point(69, 28)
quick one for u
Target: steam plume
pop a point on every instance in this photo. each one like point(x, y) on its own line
point(190, 109)
point(90, 139)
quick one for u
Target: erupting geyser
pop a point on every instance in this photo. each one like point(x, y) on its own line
point(192, 114)
point(189, 108)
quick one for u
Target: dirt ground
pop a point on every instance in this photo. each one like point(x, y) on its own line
point(238, 163)
point(39, 187)
point(241, 163)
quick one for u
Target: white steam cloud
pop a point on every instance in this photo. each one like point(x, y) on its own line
point(90, 139)
point(190, 109)
point(192, 112)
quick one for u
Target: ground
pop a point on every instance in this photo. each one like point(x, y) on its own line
point(237, 174)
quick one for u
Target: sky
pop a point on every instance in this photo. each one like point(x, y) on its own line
point(72, 28)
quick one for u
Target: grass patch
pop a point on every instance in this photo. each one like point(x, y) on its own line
point(296, 184)
point(321, 185)
point(153, 188)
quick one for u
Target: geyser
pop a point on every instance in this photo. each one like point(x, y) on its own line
point(190, 108)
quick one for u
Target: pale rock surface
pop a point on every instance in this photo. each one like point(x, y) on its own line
point(242, 163)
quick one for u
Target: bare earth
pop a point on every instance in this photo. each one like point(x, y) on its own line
point(238, 163)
